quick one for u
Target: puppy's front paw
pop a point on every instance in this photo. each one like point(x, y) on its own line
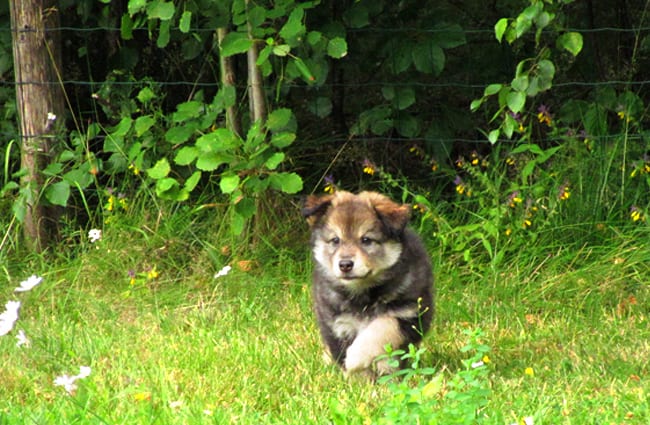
point(357, 358)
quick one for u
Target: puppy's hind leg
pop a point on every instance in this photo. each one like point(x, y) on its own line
point(370, 343)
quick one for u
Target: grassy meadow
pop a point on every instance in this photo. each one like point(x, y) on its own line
point(168, 341)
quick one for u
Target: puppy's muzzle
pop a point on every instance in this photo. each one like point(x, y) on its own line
point(346, 266)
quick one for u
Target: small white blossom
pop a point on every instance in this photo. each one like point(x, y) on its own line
point(175, 404)
point(8, 317)
point(29, 283)
point(224, 271)
point(22, 339)
point(478, 364)
point(69, 382)
point(51, 116)
point(94, 235)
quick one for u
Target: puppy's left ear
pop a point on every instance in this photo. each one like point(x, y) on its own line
point(315, 207)
point(394, 216)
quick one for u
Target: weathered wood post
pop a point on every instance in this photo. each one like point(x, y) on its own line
point(39, 101)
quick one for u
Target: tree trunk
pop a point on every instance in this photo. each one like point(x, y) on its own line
point(256, 97)
point(39, 102)
point(228, 80)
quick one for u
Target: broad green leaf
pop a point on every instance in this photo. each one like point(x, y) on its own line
point(337, 47)
point(219, 140)
point(53, 169)
point(235, 43)
point(314, 37)
point(58, 193)
point(532, 11)
point(522, 25)
point(159, 170)
point(509, 125)
point(163, 34)
point(79, 176)
point(500, 28)
point(404, 98)
point(476, 103)
point(126, 27)
point(256, 16)
point(278, 119)
point(520, 83)
point(282, 140)
point(143, 124)
point(275, 160)
point(237, 223)
point(136, 6)
point(286, 182)
point(188, 110)
point(264, 54)
point(407, 125)
point(212, 161)
point(122, 128)
point(186, 155)
point(571, 41)
point(68, 155)
point(158, 9)
point(164, 185)
point(428, 57)
point(146, 95)
point(492, 89)
point(228, 183)
point(192, 181)
point(281, 50)
point(294, 27)
point(516, 101)
point(245, 207)
point(448, 36)
point(528, 170)
point(493, 136)
point(186, 20)
point(179, 134)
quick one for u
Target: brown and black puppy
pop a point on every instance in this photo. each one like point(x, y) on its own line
point(373, 283)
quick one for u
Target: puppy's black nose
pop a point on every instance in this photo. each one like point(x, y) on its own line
point(346, 265)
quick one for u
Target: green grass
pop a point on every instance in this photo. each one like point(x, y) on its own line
point(188, 348)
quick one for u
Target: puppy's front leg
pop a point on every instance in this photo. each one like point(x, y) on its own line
point(370, 343)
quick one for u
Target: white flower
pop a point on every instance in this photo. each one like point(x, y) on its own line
point(9, 317)
point(175, 404)
point(224, 271)
point(22, 339)
point(94, 235)
point(27, 285)
point(478, 364)
point(68, 382)
point(51, 116)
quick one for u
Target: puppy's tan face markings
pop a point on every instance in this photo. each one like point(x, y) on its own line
point(352, 245)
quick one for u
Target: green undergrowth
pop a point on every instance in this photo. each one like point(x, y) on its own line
point(552, 334)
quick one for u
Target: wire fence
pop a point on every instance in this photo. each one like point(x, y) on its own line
point(444, 82)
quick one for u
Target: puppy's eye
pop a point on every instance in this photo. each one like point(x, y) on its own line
point(366, 240)
point(335, 240)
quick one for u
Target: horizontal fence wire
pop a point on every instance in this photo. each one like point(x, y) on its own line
point(476, 86)
point(349, 30)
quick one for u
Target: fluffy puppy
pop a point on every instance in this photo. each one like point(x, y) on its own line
point(372, 280)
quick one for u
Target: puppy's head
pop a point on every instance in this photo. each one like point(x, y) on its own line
point(355, 237)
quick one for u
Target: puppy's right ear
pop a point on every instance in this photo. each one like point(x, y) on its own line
point(315, 207)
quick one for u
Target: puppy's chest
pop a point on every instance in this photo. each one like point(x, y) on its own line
point(352, 317)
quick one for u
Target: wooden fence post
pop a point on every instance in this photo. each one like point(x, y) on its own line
point(40, 105)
